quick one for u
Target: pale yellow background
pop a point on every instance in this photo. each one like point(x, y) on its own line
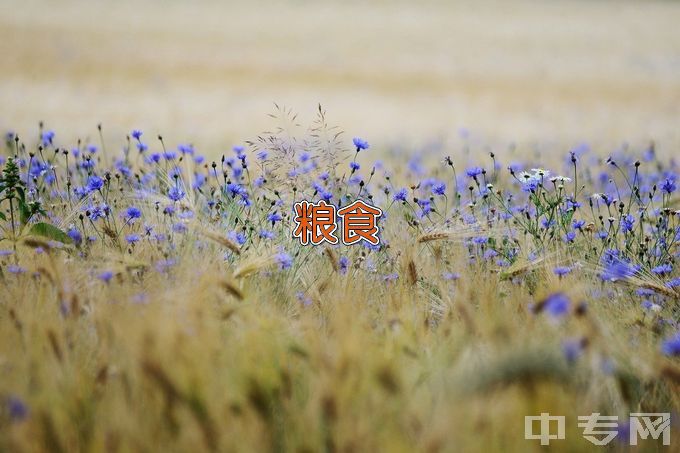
point(209, 72)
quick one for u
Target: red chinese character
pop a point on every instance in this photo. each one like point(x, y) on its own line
point(359, 221)
point(315, 220)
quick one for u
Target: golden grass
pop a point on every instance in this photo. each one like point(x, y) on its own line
point(221, 357)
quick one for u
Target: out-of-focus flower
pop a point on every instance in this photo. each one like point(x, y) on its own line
point(671, 346)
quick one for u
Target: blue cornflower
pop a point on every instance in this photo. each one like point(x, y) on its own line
point(99, 212)
point(16, 409)
point(556, 304)
point(266, 234)
point(616, 268)
point(179, 227)
point(87, 164)
point(284, 260)
point(186, 149)
point(480, 240)
point(627, 223)
point(136, 134)
point(199, 181)
point(47, 137)
point(274, 217)
point(570, 236)
point(175, 172)
point(490, 253)
point(325, 195)
point(578, 224)
point(235, 189)
point(343, 263)
point(354, 165)
point(400, 195)
point(547, 223)
point(573, 205)
point(38, 168)
point(94, 182)
point(426, 207)
point(451, 276)
point(645, 292)
point(390, 277)
point(105, 276)
point(360, 143)
point(473, 172)
point(75, 236)
point(673, 283)
point(572, 349)
point(439, 188)
point(662, 269)
point(671, 346)
point(133, 212)
point(669, 186)
point(175, 193)
point(530, 185)
point(561, 271)
point(304, 300)
point(141, 147)
point(165, 265)
point(132, 238)
point(14, 269)
point(238, 237)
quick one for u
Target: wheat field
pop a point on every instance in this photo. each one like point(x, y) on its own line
point(153, 297)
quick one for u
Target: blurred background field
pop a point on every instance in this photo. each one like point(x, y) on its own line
point(407, 72)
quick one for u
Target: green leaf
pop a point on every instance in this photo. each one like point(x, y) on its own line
point(24, 212)
point(50, 232)
point(2, 216)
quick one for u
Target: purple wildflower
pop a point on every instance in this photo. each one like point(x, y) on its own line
point(557, 304)
point(105, 276)
point(572, 349)
point(669, 186)
point(561, 271)
point(175, 194)
point(17, 409)
point(94, 182)
point(473, 172)
point(400, 195)
point(132, 238)
point(274, 217)
point(343, 264)
point(360, 143)
point(133, 212)
point(671, 346)
point(284, 260)
point(439, 188)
